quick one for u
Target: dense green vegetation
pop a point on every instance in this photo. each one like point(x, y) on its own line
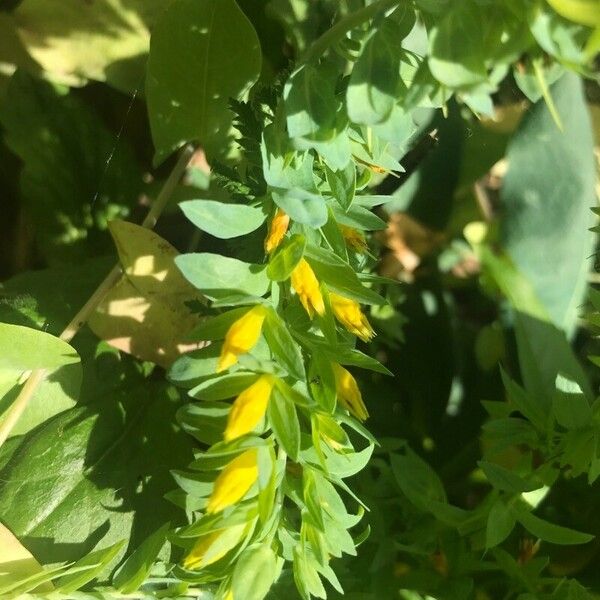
point(298, 299)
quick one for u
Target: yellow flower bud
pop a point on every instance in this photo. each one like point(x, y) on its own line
point(234, 481)
point(241, 337)
point(306, 285)
point(348, 394)
point(249, 408)
point(354, 238)
point(213, 546)
point(229, 595)
point(278, 228)
point(348, 313)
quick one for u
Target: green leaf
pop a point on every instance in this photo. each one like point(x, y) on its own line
point(24, 349)
point(202, 53)
point(310, 102)
point(215, 328)
point(500, 523)
point(97, 560)
point(205, 421)
point(268, 481)
point(544, 353)
point(255, 571)
point(83, 479)
point(219, 276)
point(244, 513)
point(456, 65)
point(571, 411)
point(417, 480)
point(23, 585)
point(286, 257)
point(356, 358)
point(51, 132)
point(196, 366)
point(296, 395)
point(342, 184)
point(311, 497)
point(339, 276)
point(558, 37)
point(282, 166)
point(222, 220)
point(555, 534)
point(284, 348)
point(224, 386)
point(506, 480)
point(525, 403)
point(108, 42)
point(303, 206)
point(550, 182)
point(374, 81)
point(284, 422)
point(321, 381)
point(133, 572)
point(359, 218)
point(509, 431)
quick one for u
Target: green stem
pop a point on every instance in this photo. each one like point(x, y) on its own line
point(545, 90)
point(339, 30)
point(35, 378)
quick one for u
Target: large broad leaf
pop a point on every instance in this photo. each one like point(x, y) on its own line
point(68, 191)
point(546, 200)
point(94, 475)
point(202, 53)
point(146, 313)
point(105, 40)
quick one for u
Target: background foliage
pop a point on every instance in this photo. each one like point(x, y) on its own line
point(460, 137)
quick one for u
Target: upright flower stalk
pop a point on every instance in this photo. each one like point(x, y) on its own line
point(276, 407)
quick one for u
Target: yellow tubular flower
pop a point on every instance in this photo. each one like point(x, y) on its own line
point(241, 337)
point(278, 228)
point(348, 313)
point(348, 393)
point(354, 238)
point(213, 546)
point(249, 408)
point(234, 481)
point(305, 282)
point(229, 595)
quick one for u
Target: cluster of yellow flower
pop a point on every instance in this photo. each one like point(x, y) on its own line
point(249, 408)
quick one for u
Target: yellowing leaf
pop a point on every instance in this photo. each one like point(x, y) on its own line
point(145, 314)
point(585, 12)
point(16, 562)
